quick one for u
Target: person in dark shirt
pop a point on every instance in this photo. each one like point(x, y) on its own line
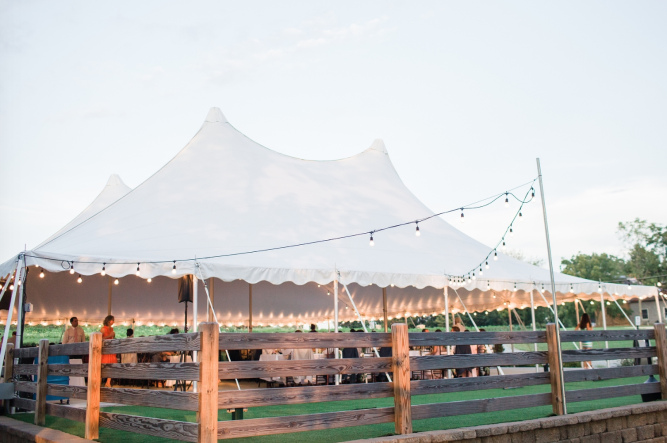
point(350, 353)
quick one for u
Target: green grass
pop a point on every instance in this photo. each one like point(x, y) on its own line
point(352, 433)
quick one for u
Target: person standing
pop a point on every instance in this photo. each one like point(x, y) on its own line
point(73, 334)
point(129, 358)
point(586, 325)
point(108, 334)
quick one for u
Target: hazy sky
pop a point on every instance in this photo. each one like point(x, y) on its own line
point(465, 95)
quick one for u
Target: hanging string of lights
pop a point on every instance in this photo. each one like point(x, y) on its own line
point(67, 264)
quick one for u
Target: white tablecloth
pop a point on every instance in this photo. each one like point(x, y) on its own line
point(76, 381)
point(176, 359)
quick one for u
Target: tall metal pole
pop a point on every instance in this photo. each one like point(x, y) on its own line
point(337, 376)
point(384, 309)
point(195, 302)
point(10, 311)
point(250, 308)
point(109, 300)
point(532, 318)
point(449, 348)
point(553, 286)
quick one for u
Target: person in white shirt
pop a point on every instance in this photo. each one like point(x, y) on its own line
point(74, 334)
point(129, 358)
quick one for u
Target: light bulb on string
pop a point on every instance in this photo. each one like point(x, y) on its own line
point(495, 255)
point(507, 201)
point(79, 280)
point(625, 302)
point(115, 282)
point(371, 243)
point(417, 233)
point(514, 287)
point(488, 285)
point(11, 287)
point(473, 276)
point(542, 289)
point(487, 264)
point(480, 271)
point(608, 303)
point(532, 196)
point(520, 217)
point(599, 289)
point(173, 270)
point(511, 232)
point(138, 272)
point(149, 280)
point(629, 287)
point(462, 216)
point(104, 269)
point(659, 284)
point(469, 279)
point(41, 273)
point(592, 302)
point(486, 312)
point(71, 268)
point(504, 246)
point(572, 289)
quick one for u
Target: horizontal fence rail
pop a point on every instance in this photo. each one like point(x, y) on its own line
point(207, 371)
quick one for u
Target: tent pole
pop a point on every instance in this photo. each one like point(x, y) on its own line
point(603, 311)
point(509, 315)
point(553, 288)
point(335, 283)
point(109, 301)
point(195, 300)
point(532, 316)
point(623, 311)
point(384, 308)
point(211, 295)
point(562, 326)
point(576, 321)
point(449, 348)
point(21, 306)
point(250, 307)
point(10, 311)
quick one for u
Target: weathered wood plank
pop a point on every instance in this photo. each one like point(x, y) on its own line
point(55, 410)
point(447, 385)
point(207, 412)
point(25, 369)
point(92, 428)
point(248, 398)
point(178, 430)
point(608, 354)
point(299, 423)
point(400, 366)
point(157, 343)
point(40, 395)
point(661, 350)
point(152, 371)
point(611, 392)
point(476, 360)
point(478, 406)
point(609, 373)
point(9, 363)
point(259, 369)
point(555, 368)
point(276, 340)
point(609, 335)
point(78, 370)
point(25, 386)
point(476, 338)
point(68, 349)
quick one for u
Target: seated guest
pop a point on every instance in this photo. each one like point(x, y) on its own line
point(129, 358)
point(313, 327)
point(73, 334)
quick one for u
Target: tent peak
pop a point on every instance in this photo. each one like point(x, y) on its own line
point(378, 145)
point(115, 180)
point(215, 115)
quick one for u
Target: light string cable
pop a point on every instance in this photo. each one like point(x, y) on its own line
point(470, 206)
point(494, 250)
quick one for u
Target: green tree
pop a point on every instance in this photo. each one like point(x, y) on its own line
point(599, 267)
point(647, 250)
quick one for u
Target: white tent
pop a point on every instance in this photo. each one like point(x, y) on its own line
point(224, 196)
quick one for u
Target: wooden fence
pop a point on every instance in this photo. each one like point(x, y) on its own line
point(208, 370)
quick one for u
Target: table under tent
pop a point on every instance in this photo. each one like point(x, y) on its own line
point(223, 210)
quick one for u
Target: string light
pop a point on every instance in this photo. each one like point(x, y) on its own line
point(41, 273)
point(115, 282)
point(480, 271)
point(599, 289)
point(173, 270)
point(79, 280)
point(487, 264)
point(469, 280)
point(149, 280)
point(592, 302)
point(71, 268)
point(486, 312)
point(371, 243)
point(608, 303)
point(462, 216)
point(572, 289)
point(507, 201)
point(104, 269)
point(417, 233)
point(138, 273)
point(495, 255)
point(542, 288)
point(488, 285)
point(514, 287)
point(625, 302)
point(659, 284)
point(11, 287)
point(532, 197)
point(504, 246)
point(511, 232)
point(520, 217)
point(473, 276)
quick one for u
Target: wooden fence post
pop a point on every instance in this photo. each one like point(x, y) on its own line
point(94, 385)
point(661, 348)
point(42, 371)
point(207, 411)
point(9, 372)
point(400, 366)
point(557, 401)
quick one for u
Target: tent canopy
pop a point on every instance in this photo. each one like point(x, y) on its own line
point(224, 195)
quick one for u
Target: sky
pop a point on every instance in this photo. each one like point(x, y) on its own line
point(465, 94)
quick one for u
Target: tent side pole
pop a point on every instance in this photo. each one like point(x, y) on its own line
point(195, 301)
point(603, 312)
point(20, 324)
point(10, 311)
point(109, 300)
point(532, 318)
point(657, 305)
point(553, 288)
point(249, 307)
point(509, 316)
point(449, 348)
point(384, 309)
point(211, 295)
point(335, 284)
point(576, 321)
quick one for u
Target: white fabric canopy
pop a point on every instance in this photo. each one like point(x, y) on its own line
point(224, 194)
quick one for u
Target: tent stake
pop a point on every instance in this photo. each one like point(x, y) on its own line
point(553, 289)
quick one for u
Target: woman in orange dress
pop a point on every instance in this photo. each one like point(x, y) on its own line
point(108, 334)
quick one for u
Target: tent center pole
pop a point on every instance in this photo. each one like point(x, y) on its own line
point(384, 308)
point(109, 301)
point(249, 307)
point(553, 287)
point(532, 318)
point(335, 284)
point(603, 313)
point(195, 300)
point(509, 315)
point(449, 348)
